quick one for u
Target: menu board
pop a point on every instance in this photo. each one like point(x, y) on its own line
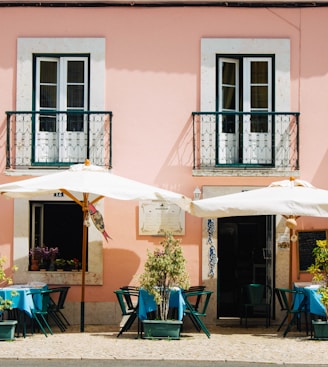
point(157, 217)
point(306, 244)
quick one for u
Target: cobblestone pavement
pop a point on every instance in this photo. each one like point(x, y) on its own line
point(227, 343)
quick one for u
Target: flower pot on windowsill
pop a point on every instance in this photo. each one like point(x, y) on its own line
point(161, 329)
point(7, 329)
point(320, 329)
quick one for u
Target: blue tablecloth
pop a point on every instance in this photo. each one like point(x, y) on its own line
point(313, 302)
point(23, 300)
point(147, 303)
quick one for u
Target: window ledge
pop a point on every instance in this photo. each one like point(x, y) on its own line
point(59, 277)
point(244, 172)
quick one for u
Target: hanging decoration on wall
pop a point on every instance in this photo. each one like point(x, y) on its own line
point(212, 257)
point(98, 221)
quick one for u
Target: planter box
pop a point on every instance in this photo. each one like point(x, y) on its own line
point(7, 329)
point(320, 329)
point(160, 329)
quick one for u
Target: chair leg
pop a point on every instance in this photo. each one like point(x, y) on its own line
point(192, 318)
point(46, 323)
point(202, 326)
point(282, 322)
point(65, 319)
point(40, 325)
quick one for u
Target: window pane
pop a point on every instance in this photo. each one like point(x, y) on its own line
point(229, 98)
point(259, 97)
point(228, 124)
point(75, 72)
point(259, 124)
point(229, 74)
point(48, 72)
point(48, 94)
point(259, 72)
point(48, 123)
point(75, 96)
point(75, 122)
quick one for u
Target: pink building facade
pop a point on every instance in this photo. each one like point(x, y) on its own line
point(223, 98)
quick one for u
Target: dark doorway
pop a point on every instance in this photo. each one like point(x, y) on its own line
point(242, 242)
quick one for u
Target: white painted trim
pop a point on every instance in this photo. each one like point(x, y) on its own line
point(278, 47)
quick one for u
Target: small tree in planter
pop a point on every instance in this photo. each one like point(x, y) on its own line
point(7, 328)
point(165, 268)
point(319, 270)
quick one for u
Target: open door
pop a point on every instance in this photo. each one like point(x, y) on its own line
point(245, 251)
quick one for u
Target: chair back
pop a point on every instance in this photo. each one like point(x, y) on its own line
point(122, 295)
point(203, 298)
point(59, 302)
point(45, 299)
point(195, 288)
point(255, 294)
point(62, 297)
point(130, 293)
point(286, 298)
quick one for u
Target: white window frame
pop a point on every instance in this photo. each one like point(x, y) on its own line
point(210, 47)
point(26, 48)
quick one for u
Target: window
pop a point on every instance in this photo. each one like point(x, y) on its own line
point(67, 75)
point(57, 224)
point(87, 54)
point(244, 85)
point(61, 84)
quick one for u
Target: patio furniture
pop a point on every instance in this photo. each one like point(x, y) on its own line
point(195, 288)
point(23, 303)
point(195, 315)
point(286, 298)
point(57, 304)
point(128, 308)
point(256, 302)
point(41, 312)
point(147, 304)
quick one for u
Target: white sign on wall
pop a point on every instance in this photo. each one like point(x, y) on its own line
point(157, 217)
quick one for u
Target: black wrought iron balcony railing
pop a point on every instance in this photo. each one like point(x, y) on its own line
point(37, 139)
point(246, 140)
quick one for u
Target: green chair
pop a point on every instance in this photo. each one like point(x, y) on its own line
point(128, 307)
point(195, 288)
point(286, 298)
point(256, 302)
point(203, 298)
point(41, 299)
point(57, 304)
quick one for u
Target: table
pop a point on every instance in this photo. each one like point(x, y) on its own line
point(23, 301)
point(313, 303)
point(147, 303)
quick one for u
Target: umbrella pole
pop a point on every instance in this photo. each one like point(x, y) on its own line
point(84, 257)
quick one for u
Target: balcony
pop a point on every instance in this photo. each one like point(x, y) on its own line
point(49, 139)
point(255, 143)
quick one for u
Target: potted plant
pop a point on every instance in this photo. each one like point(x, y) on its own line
point(60, 264)
point(7, 327)
point(164, 269)
point(319, 270)
point(43, 258)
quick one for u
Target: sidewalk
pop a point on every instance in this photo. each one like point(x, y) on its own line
point(227, 343)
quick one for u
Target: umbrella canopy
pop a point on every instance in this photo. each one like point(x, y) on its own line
point(83, 180)
point(288, 197)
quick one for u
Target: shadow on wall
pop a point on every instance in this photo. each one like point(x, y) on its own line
point(120, 266)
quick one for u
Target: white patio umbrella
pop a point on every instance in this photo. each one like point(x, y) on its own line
point(83, 180)
point(290, 198)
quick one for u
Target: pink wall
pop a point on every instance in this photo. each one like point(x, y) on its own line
point(153, 85)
